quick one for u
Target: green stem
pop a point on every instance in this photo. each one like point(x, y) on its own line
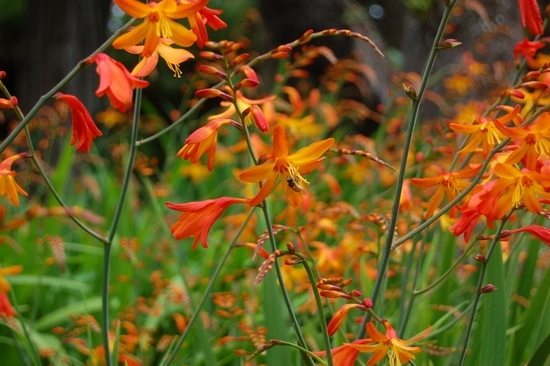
point(206, 292)
point(403, 167)
point(301, 349)
point(55, 89)
point(477, 295)
point(319, 303)
point(295, 324)
point(114, 226)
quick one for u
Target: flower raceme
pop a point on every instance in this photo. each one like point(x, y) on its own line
point(448, 184)
point(289, 167)
point(197, 218)
point(84, 128)
point(7, 181)
point(116, 81)
point(158, 23)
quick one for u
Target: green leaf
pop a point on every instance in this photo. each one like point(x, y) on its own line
point(541, 353)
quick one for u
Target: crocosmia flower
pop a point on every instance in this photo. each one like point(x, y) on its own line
point(116, 82)
point(197, 218)
point(172, 56)
point(530, 16)
point(157, 23)
point(7, 181)
point(6, 310)
point(289, 167)
point(84, 128)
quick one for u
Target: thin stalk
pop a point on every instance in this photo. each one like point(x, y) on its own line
point(286, 297)
point(403, 167)
point(301, 349)
point(114, 225)
point(206, 292)
point(477, 295)
point(319, 304)
point(81, 64)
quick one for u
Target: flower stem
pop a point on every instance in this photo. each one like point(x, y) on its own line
point(403, 166)
point(319, 303)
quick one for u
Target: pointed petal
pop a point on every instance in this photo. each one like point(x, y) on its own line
point(311, 152)
point(134, 8)
point(280, 143)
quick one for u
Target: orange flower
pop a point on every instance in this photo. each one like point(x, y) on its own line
point(346, 354)
point(116, 81)
point(158, 23)
point(540, 232)
point(8, 185)
point(513, 186)
point(289, 167)
point(199, 20)
point(484, 132)
point(202, 141)
point(339, 317)
point(84, 128)
point(197, 218)
point(530, 16)
point(401, 352)
point(6, 310)
point(4, 285)
point(535, 141)
point(172, 56)
point(449, 184)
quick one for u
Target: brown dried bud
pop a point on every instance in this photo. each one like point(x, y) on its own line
point(487, 288)
point(448, 43)
point(480, 258)
point(410, 91)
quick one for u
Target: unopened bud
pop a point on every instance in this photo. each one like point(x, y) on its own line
point(487, 288)
point(334, 294)
point(211, 70)
point(213, 93)
point(209, 55)
point(236, 124)
point(410, 91)
point(480, 258)
point(259, 118)
point(515, 93)
point(346, 282)
point(2, 74)
point(239, 60)
point(356, 293)
point(306, 35)
point(367, 303)
point(290, 247)
point(448, 43)
point(535, 85)
point(279, 55)
point(262, 159)
point(14, 101)
point(247, 83)
point(531, 75)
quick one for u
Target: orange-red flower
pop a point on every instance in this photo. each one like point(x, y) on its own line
point(116, 81)
point(515, 186)
point(158, 23)
point(172, 56)
point(8, 185)
point(528, 49)
point(483, 132)
point(4, 284)
point(398, 350)
point(540, 232)
point(84, 128)
point(203, 141)
point(346, 354)
point(197, 218)
point(289, 167)
point(530, 16)
point(534, 141)
point(6, 310)
point(449, 184)
point(200, 19)
point(339, 317)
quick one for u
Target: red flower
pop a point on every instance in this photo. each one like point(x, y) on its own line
point(116, 81)
point(530, 16)
point(84, 128)
point(540, 232)
point(6, 310)
point(528, 49)
point(197, 218)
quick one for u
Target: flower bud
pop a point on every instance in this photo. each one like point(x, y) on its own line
point(211, 70)
point(213, 93)
point(209, 55)
point(13, 101)
point(535, 85)
point(2, 74)
point(487, 288)
point(410, 91)
point(239, 60)
point(448, 43)
point(480, 258)
point(259, 118)
point(290, 247)
point(356, 293)
point(367, 303)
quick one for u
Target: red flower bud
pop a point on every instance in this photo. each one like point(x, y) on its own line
point(487, 288)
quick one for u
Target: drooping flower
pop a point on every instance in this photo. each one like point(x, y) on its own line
point(116, 81)
point(8, 185)
point(530, 16)
point(528, 49)
point(449, 184)
point(84, 128)
point(289, 167)
point(203, 17)
point(172, 56)
point(197, 218)
point(203, 141)
point(534, 141)
point(339, 317)
point(157, 23)
point(542, 233)
point(6, 310)
point(398, 350)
